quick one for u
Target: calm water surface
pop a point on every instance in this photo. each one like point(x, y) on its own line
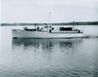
point(76, 57)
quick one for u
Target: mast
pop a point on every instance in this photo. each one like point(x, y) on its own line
point(49, 21)
point(49, 17)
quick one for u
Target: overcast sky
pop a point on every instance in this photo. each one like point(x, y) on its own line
point(38, 10)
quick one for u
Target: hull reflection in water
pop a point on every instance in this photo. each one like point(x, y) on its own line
point(67, 45)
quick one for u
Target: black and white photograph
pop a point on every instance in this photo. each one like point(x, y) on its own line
point(48, 38)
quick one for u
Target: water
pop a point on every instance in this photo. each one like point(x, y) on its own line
point(76, 57)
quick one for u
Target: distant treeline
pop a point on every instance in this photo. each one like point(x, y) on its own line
point(67, 23)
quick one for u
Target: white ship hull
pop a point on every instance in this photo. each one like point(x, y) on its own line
point(39, 34)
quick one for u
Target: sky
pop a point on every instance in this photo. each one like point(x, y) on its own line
point(37, 11)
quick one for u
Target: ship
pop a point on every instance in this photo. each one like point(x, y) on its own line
point(47, 31)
